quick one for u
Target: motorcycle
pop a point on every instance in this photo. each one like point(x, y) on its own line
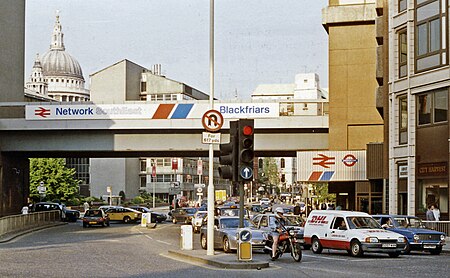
point(287, 243)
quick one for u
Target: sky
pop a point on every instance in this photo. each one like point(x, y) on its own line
point(256, 41)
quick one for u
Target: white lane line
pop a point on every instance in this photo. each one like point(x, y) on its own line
point(149, 237)
point(326, 258)
point(164, 242)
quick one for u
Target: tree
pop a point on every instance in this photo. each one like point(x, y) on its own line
point(59, 180)
point(322, 195)
point(269, 173)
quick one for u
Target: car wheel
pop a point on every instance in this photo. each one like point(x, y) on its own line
point(84, 225)
point(203, 241)
point(226, 245)
point(126, 219)
point(107, 224)
point(316, 246)
point(355, 248)
point(174, 221)
point(436, 251)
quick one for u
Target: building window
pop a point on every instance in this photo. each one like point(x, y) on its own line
point(143, 164)
point(403, 53)
point(143, 181)
point(432, 107)
point(403, 120)
point(401, 5)
point(429, 48)
point(282, 163)
point(143, 86)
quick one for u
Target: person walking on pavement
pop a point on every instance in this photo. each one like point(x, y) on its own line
point(25, 209)
point(436, 212)
point(86, 206)
point(429, 214)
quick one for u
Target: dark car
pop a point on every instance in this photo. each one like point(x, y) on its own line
point(419, 238)
point(68, 215)
point(184, 215)
point(95, 217)
point(156, 217)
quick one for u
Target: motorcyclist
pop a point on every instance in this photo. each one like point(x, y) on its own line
point(279, 222)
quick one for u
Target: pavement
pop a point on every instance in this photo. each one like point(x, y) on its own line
point(10, 236)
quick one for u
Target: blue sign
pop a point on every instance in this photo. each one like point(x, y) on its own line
point(245, 235)
point(246, 172)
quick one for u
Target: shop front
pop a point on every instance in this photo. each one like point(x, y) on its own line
point(432, 188)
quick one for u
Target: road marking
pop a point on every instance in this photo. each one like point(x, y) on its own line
point(164, 242)
point(326, 258)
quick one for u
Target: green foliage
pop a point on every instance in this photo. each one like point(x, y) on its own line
point(270, 170)
point(58, 179)
point(138, 200)
point(321, 191)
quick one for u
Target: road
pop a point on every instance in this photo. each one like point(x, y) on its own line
point(132, 251)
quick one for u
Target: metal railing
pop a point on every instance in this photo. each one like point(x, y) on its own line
point(441, 226)
point(23, 222)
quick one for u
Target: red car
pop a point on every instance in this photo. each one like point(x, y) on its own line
point(95, 217)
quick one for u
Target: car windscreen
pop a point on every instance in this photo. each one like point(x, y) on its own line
point(362, 222)
point(93, 213)
point(293, 221)
point(405, 222)
point(190, 210)
point(232, 223)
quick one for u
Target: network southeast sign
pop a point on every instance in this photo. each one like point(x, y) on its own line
point(148, 111)
point(325, 166)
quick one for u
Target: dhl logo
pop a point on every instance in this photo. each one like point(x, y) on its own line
point(318, 219)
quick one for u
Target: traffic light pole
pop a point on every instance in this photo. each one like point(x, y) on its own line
point(241, 205)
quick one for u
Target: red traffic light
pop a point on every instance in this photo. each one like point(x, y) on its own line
point(247, 130)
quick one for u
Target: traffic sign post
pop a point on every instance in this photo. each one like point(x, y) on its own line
point(212, 120)
point(244, 251)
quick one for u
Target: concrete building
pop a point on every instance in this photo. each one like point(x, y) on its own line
point(125, 82)
point(419, 80)
point(354, 119)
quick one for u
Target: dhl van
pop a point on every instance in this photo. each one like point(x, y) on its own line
point(356, 232)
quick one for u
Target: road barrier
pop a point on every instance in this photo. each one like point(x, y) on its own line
point(23, 222)
point(441, 226)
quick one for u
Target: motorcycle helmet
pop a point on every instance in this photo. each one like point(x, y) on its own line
point(279, 210)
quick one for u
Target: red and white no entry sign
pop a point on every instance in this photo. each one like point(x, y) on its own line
point(212, 120)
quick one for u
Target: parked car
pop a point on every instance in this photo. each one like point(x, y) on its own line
point(419, 237)
point(126, 215)
point(157, 217)
point(197, 220)
point(264, 201)
point(266, 223)
point(232, 210)
point(225, 234)
point(184, 215)
point(69, 215)
point(95, 217)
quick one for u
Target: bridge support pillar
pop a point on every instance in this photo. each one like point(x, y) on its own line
point(14, 183)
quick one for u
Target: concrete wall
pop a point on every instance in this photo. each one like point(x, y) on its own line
point(354, 120)
point(116, 83)
point(108, 172)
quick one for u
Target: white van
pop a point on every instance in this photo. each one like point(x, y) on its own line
point(356, 232)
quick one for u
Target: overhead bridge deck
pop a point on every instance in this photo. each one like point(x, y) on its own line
point(278, 136)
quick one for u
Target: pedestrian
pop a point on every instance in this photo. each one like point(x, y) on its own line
point(297, 209)
point(25, 209)
point(436, 212)
point(86, 206)
point(429, 214)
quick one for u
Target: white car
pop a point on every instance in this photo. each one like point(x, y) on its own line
point(197, 220)
point(356, 232)
point(264, 201)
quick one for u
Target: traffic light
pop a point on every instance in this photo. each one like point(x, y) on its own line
point(228, 158)
point(246, 153)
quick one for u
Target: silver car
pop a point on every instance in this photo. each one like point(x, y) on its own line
point(225, 234)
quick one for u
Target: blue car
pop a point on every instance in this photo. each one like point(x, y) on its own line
point(419, 237)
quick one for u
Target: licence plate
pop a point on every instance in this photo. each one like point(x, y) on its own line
point(92, 222)
point(389, 245)
point(427, 246)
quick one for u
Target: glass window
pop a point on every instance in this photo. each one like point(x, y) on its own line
point(143, 86)
point(282, 163)
point(424, 109)
point(433, 107)
point(403, 120)
point(143, 163)
point(401, 5)
point(428, 35)
point(403, 53)
point(440, 106)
